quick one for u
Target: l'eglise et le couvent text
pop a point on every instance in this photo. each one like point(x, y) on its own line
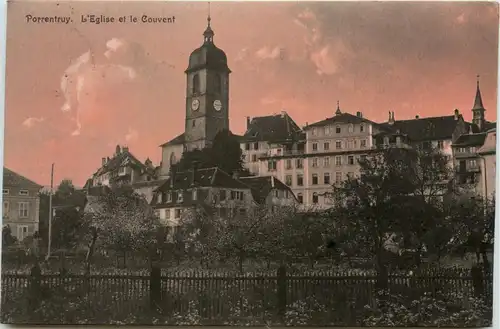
point(98, 19)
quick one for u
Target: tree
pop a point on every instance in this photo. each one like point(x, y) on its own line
point(225, 153)
point(123, 221)
point(65, 190)
point(7, 238)
point(373, 208)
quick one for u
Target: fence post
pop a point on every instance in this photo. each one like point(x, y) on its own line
point(282, 285)
point(155, 288)
point(35, 287)
point(477, 281)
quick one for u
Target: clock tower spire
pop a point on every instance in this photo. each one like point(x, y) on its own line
point(207, 93)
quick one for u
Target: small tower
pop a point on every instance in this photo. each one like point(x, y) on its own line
point(338, 109)
point(478, 109)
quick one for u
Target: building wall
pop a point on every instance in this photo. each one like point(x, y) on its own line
point(22, 223)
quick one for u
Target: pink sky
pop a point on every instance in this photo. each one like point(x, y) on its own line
point(410, 58)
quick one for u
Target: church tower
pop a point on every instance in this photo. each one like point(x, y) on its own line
point(207, 93)
point(478, 109)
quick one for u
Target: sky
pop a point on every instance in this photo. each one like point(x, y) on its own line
point(74, 91)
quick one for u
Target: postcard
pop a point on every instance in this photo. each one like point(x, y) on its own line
point(249, 163)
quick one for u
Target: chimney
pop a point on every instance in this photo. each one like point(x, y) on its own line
point(172, 176)
point(359, 114)
point(272, 181)
point(125, 149)
point(416, 116)
point(103, 161)
point(457, 114)
point(248, 122)
point(283, 113)
point(391, 118)
point(117, 150)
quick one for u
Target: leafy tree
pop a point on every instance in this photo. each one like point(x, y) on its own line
point(224, 153)
point(120, 220)
point(65, 190)
point(7, 238)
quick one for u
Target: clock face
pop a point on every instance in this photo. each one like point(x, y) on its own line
point(217, 105)
point(195, 105)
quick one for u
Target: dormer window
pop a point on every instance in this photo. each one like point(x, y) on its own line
point(23, 192)
point(195, 194)
point(169, 197)
point(123, 170)
point(180, 196)
point(159, 198)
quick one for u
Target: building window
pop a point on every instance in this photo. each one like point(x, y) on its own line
point(362, 158)
point(24, 192)
point(326, 178)
point(276, 193)
point(256, 146)
point(236, 195)
point(288, 164)
point(338, 145)
point(338, 177)
point(178, 213)
point(326, 146)
point(351, 128)
point(247, 146)
point(440, 145)
point(361, 128)
point(180, 196)
point(159, 197)
point(338, 130)
point(338, 160)
point(23, 210)
point(300, 198)
point(5, 191)
point(362, 143)
point(222, 195)
point(315, 198)
point(169, 197)
point(288, 180)
point(271, 165)
point(22, 232)
point(196, 84)
point(195, 195)
point(315, 147)
point(300, 163)
point(6, 209)
point(314, 179)
point(315, 163)
point(123, 170)
point(314, 132)
point(254, 157)
point(350, 160)
point(326, 162)
point(327, 130)
point(350, 144)
point(386, 140)
point(300, 180)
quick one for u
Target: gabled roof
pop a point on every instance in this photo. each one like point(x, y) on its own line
point(261, 186)
point(209, 177)
point(123, 158)
point(179, 140)
point(13, 179)
point(273, 128)
point(421, 129)
point(470, 140)
point(341, 118)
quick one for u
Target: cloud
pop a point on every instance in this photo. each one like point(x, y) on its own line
point(269, 53)
point(461, 18)
point(132, 135)
point(241, 55)
point(268, 100)
point(30, 122)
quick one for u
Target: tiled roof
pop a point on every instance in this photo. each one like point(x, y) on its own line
point(271, 128)
point(179, 140)
point(341, 118)
point(261, 186)
point(470, 140)
point(433, 128)
point(117, 161)
point(152, 183)
point(13, 179)
point(209, 177)
point(490, 125)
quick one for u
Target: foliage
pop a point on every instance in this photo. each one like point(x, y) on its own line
point(7, 238)
point(225, 153)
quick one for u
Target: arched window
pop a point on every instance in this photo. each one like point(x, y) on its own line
point(315, 198)
point(172, 158)
point(196, 84)
point(300, 198)
point(218, 83)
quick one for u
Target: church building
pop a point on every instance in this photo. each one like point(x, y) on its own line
point(207, 101)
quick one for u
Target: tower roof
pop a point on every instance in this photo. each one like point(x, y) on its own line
point(208, 55)
point(478, 101)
